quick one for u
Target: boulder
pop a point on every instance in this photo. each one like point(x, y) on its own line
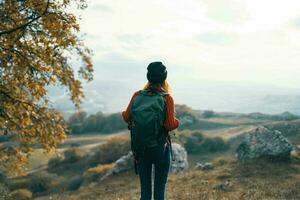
point(180, 161)
point(125, 163)
point(262, 142)
point(204, 166)
point(226, 186)
point(295, 153)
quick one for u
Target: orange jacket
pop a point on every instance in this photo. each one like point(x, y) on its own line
point(171, 121)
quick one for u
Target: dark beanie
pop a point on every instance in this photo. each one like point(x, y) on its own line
point(157, 72)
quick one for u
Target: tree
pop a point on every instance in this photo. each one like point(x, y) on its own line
point(37, 39)
point(77, 118)
point(208, 114)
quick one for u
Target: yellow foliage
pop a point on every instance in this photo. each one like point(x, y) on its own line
point(36, 38)
point(100, 169)
point(93, 174)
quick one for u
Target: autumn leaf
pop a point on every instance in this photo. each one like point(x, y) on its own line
point(36, 37)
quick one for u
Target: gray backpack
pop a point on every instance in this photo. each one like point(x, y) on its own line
point(148, 110)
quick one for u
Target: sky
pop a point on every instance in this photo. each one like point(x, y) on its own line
point(214, 50)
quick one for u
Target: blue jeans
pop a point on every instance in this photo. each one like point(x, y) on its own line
point(159, 156)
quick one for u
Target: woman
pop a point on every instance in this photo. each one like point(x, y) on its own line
point(159, 155)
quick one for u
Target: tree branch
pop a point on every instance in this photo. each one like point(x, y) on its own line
point(26, 24)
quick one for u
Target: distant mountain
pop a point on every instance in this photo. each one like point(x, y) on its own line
point(113, 96)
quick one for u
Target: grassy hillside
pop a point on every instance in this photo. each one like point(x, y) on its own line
point(252, 180)
point(83, 158)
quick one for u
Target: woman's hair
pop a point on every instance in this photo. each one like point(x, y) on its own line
point(164, 86)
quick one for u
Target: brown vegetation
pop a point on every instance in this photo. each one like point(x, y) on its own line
point(251, 180)
point(20, 194)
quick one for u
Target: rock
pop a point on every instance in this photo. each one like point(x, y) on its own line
point(75, 183)
point(297, 148)
point(295, 153)
point(180, 162)
point(262, 142)
point(204, 166)
point(226, 186)
point(125, 163)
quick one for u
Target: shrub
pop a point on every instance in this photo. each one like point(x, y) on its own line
point(113, 149)
point(72, 163)
point(72, 155)
point(94, 173)
point(2, 177)
point(80, 123)
point(54, 162)
point(214, 145)
point(20, 194)
point(3, 191)
point(193, 142)
point(182, 136)
point(17, 183)
point(75, 183)
point(196, 142)
point(208, 114)
point(40, 182)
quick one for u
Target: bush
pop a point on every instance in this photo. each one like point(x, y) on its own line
point(40, 182)
point(3, 191)
point(214, 145)
point(196, 142)
point(75, 183)
point(94, 173)
point(2, 177)
point(21, 194)
point(80, 123)
point(72, 163)
point(113, 149)
point(208, 114)
point(17, 183)
point(54, 162)
point(193, 142)
point(72, 155)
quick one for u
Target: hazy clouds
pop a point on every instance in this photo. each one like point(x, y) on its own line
point(245, 42)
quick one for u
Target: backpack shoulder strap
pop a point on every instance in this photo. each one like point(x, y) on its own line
point(164, 94)
point(143, 92)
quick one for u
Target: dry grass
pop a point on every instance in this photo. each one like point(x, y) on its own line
point(100, 169)
point(115, 147)
point(229, 180)
point(20, 194)
point(39, 158)
point(94, 173)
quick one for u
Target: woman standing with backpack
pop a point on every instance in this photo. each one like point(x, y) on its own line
point(151, 115)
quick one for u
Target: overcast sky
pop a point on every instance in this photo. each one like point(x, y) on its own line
point(243, 42)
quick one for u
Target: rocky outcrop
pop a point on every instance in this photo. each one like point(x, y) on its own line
point(262, 142)
point(125, 163)
point(226, 186)
point(180, 161)
point(204, 166)
point(295, 153)
point(122, 164)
